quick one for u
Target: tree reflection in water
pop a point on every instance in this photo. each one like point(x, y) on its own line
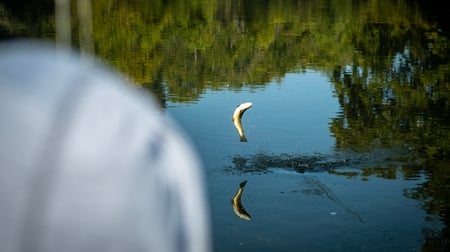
point(388, 61)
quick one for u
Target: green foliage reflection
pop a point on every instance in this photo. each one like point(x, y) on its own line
point(389, 64)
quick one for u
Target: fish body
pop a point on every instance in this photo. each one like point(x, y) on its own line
point(237, 115)
point(238, 209)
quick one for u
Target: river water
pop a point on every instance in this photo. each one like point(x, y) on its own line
point(338, 207)
point(348, 137)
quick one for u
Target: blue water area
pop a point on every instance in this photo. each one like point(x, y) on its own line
point(316, 212)
point(291, 116)
point(292, 211)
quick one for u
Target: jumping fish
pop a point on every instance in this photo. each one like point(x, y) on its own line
point(237, 115)
point(236, 202)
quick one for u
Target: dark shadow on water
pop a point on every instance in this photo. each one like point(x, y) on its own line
point(382, 163)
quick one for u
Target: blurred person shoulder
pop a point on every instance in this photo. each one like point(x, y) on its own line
point(90, 162)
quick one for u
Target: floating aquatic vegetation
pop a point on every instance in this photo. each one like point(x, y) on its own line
point(345, 164)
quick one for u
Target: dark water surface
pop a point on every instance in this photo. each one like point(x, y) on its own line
point(348, 138)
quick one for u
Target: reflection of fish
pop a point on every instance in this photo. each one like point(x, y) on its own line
point(237, 206)
point(237, 115)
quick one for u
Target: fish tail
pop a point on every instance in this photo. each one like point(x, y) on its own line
point(243, 183)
